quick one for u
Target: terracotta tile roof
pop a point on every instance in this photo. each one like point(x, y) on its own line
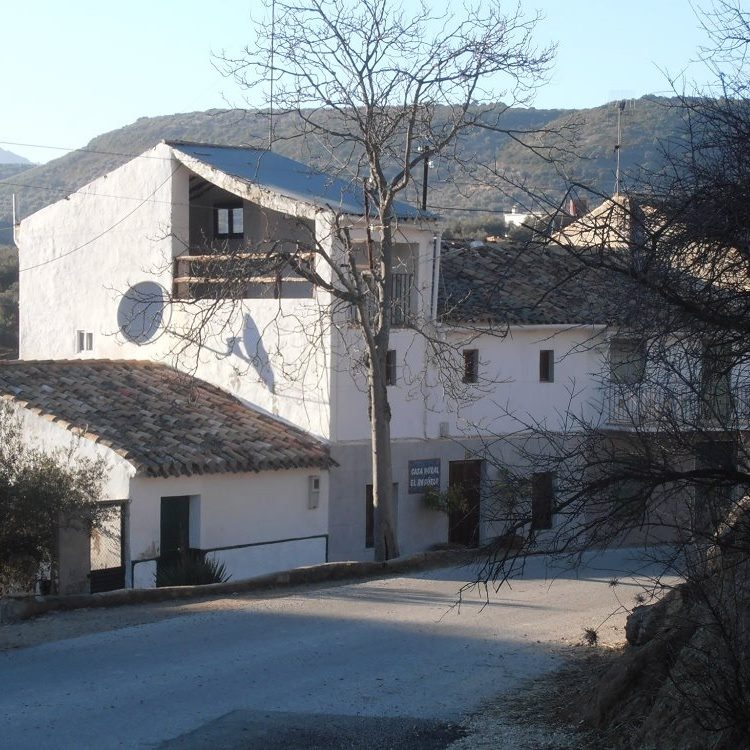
point(521, 285)
point(163, 422)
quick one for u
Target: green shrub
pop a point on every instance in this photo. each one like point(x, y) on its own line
point(453, 499)
point(194, 569)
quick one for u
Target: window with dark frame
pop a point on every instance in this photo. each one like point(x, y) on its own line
point(229, 221)
point(627, 360)
point(471, 365)
point(542, 499)
point(546, 366)
point(391, 374)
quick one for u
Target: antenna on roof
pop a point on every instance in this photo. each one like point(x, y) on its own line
point(273, 44)
point(622, 105)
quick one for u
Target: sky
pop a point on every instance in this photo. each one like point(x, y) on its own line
point(73, 70)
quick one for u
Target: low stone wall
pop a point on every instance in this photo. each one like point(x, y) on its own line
point(15, 608)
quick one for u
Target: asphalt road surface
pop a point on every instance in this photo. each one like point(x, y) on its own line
point(388, 663)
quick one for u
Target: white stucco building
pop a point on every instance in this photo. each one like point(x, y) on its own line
point(128, 268)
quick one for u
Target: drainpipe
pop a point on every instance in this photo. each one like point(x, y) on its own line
point(433, 297)
point(14, 220)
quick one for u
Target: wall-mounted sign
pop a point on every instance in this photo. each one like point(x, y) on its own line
point(424, 474)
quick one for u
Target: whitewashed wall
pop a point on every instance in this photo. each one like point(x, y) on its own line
point(508, 395)
point(50, 436)
point(78, 257)
point(231, 510)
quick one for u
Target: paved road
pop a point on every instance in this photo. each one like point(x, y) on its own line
point(376, 661)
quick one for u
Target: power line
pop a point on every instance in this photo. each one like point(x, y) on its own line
point(101, 234)
point(82, 150)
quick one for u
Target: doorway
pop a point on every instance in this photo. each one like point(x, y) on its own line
point(463, 521)
point(107, 550)
point(175, 529)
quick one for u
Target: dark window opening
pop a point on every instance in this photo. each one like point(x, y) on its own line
point(229, 221)
point(542, 500)
point(471, 365)
point(547, 366)
point(627, 361)
point(390, 367)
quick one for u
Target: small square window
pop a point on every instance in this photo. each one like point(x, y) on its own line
point(229, 221)
point(390, 367)
point(471, 365)
point(547, 366)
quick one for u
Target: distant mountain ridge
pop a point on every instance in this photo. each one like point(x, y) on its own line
point(652, 120)
point(8, 157)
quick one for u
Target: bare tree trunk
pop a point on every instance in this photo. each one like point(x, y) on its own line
point(386, 535)
point(386, 539)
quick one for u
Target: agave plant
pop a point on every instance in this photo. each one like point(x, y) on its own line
point(192, 569)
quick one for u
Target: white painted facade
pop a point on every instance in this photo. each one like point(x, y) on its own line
point(290, 357)
point(264, 517)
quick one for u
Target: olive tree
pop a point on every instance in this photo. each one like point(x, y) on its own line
point(38, 492)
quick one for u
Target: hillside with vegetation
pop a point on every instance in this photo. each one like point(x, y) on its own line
point(8, 302)
point(582, 142)
point(566, 146)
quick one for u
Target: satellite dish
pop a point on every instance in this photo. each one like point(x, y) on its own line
point(141, 311)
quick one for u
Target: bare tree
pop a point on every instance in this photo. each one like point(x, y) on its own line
point(666, 457)
point(383, 91)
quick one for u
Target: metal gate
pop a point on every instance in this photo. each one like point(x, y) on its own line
point(107, 552)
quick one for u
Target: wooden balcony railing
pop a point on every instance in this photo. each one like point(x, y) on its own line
point(236, 276)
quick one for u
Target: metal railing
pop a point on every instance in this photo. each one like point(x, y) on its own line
point(653, 405)
point(205, 551)
point(401, 307)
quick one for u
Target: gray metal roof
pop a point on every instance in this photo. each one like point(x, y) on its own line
point(288, 177)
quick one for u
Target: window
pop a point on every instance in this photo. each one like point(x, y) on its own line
point(627, 361)
point(229, 221)
point(313, 492)
point(547, 366)
point(471, 365)
point(84, 341)
point(542, 499)
point(390, 367)
point(716, 383)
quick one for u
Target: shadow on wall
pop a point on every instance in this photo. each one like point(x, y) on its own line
point(250, 348)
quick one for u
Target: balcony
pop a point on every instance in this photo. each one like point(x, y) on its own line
point(240, 275)
point(402, 304)
point(655, 406)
